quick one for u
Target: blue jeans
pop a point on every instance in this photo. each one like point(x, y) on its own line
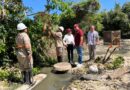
point(80, 53)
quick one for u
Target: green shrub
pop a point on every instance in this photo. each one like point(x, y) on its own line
point(14, 75)
point(4, 74)
point(10, 74)
point(117, 62)
point(50, 61)
point(36, 70)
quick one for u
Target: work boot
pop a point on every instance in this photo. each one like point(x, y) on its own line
point(30, 77)
point(27, 77)
point(23, 76)
point(72, 63)
point(60, 58)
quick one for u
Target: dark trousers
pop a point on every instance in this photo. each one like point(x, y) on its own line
point(70, 48)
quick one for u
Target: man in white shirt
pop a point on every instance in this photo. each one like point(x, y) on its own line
point(93, 40)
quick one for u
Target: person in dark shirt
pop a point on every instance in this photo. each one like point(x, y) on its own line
point(79, 43)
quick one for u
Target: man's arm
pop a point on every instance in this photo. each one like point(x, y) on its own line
point(81, 40)
point(86, 38)
point(27, 46)
point(64, 41)
point(73, 41)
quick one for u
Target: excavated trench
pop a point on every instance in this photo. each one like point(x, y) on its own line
point(54, 81)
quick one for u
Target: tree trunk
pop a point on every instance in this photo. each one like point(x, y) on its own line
point(3, 9)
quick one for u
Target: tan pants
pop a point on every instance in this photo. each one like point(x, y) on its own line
point(24, 63)
point(59, 51)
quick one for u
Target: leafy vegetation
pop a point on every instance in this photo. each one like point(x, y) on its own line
point(116, 19)
point(36, 71)
point(57, 12)
point(116, 63)
point(10, 74)
point(11, 12)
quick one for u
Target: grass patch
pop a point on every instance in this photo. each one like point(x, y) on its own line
point(36, 70)
point(116, 63)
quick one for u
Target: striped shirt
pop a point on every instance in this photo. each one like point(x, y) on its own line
point(92, 37)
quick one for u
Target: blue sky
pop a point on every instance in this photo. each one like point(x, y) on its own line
point(38, 5)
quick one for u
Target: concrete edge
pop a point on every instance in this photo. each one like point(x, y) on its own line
point(37, 79)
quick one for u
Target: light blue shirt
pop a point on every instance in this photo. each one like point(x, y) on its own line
point(92, 37)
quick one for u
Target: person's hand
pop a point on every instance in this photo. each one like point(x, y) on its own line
point(65, 44)
point(29, 57)
point(80, 45)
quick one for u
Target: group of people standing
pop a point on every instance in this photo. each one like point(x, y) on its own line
point(70, 41)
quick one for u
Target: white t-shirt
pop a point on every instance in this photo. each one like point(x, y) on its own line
point(69, 39)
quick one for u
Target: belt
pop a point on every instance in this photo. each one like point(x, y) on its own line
point(19, 47)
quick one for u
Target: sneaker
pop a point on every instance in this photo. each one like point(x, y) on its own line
point(79, 65)
point(89, 59)
point(76, 63)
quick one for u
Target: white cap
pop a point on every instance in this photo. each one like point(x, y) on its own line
point(61, 28)
point(21, 26)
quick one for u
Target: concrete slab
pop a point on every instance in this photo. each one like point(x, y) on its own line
point(62, 66)
point(38, 78)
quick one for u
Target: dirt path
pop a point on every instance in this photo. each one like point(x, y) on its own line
point(122, 83)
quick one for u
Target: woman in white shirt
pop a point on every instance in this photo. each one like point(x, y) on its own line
point(68, 41)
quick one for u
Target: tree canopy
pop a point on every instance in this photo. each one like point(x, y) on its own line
point(57, 12)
